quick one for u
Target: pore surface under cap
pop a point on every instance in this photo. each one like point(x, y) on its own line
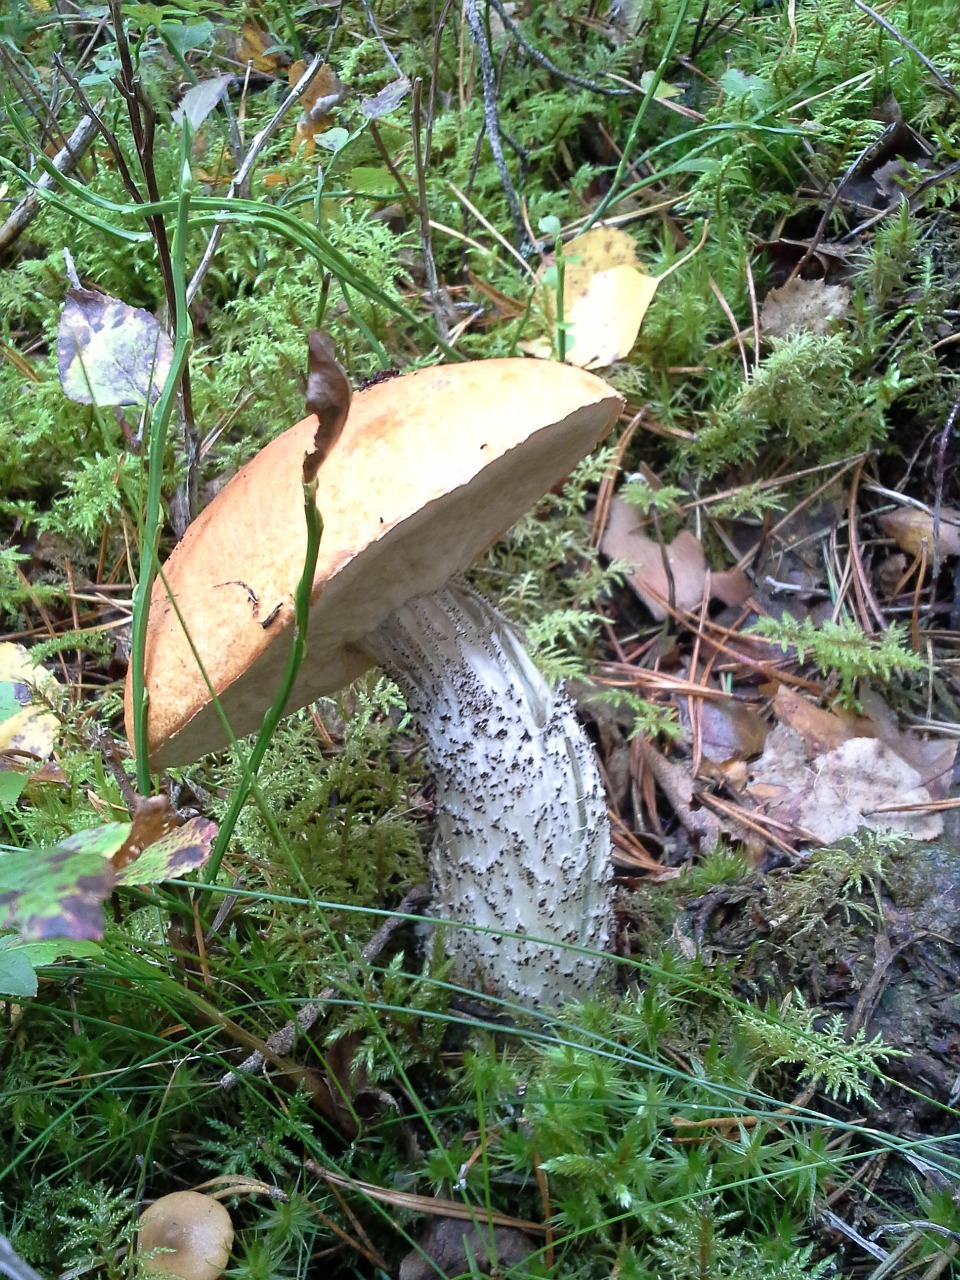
point(430, 469)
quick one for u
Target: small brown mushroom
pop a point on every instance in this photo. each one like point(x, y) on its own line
point(185, 1234)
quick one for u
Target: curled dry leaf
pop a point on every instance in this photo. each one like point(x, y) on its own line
point(323, 95)
point(911, 529)
point(328, 396)
point(250, 46)
point(820, 730)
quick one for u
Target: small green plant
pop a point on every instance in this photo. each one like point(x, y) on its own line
point(843, 1066)
point(842, 652)
point(687, 1243)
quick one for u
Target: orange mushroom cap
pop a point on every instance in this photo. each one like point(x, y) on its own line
point(429, 470)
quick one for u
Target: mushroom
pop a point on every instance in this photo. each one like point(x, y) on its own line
point(429, 470)
point(185, 1234)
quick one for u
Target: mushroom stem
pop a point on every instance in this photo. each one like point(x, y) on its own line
point(522, 842)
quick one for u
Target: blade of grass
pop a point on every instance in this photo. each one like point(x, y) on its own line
point(159, 421)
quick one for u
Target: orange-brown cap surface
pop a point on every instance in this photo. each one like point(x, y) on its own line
point(430, 468)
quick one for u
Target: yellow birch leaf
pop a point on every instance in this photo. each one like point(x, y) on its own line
point(606, 293)
point(34, 728)
point(605, 318)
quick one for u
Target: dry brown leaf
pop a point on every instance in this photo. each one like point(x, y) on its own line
point(731, 586)
point(450, 1247)
point(328, 396)
point(932, 757)
point(910, 529)
point(842, 790)
point(730, 731)
point(803, 306)
point(855, 781)
point(324, 93)
point(253, 45)
point(820, 730)
point(623, 539)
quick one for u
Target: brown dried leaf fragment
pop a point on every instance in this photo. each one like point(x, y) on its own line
point(910, 529)
point(803, 306)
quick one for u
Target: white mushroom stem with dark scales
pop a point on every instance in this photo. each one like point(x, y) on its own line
point(522, 842)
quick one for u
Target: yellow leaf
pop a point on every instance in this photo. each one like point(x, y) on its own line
point(663, 91)
point(606, 293)
point(34, 729)
point(606, 317)
point(253, 46)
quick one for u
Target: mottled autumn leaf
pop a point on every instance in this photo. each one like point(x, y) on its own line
point(27, 724)
point(184, 849)
point(57, 891)
point(109, 353)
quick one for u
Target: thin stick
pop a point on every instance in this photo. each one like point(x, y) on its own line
point(552, 67)
point(392, 169)
point(488, 81)
point(493, 231)
point(432, 1205)
point(109, 137)
point(282, 1041)
point(881, 21)
point(434, 76)
point(372, 23)
point(624, 164)
point(65, 161)
point(738, 336)
point(945, 435)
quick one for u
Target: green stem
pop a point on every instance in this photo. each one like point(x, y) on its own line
point(560, 266)
point(302, 601)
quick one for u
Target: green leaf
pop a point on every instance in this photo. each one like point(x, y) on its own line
point(186, 36)
point(19, 962)
point(17, 975)
point(11, 786)
point(366, 180)
point(10, 703)
point(58, 891)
